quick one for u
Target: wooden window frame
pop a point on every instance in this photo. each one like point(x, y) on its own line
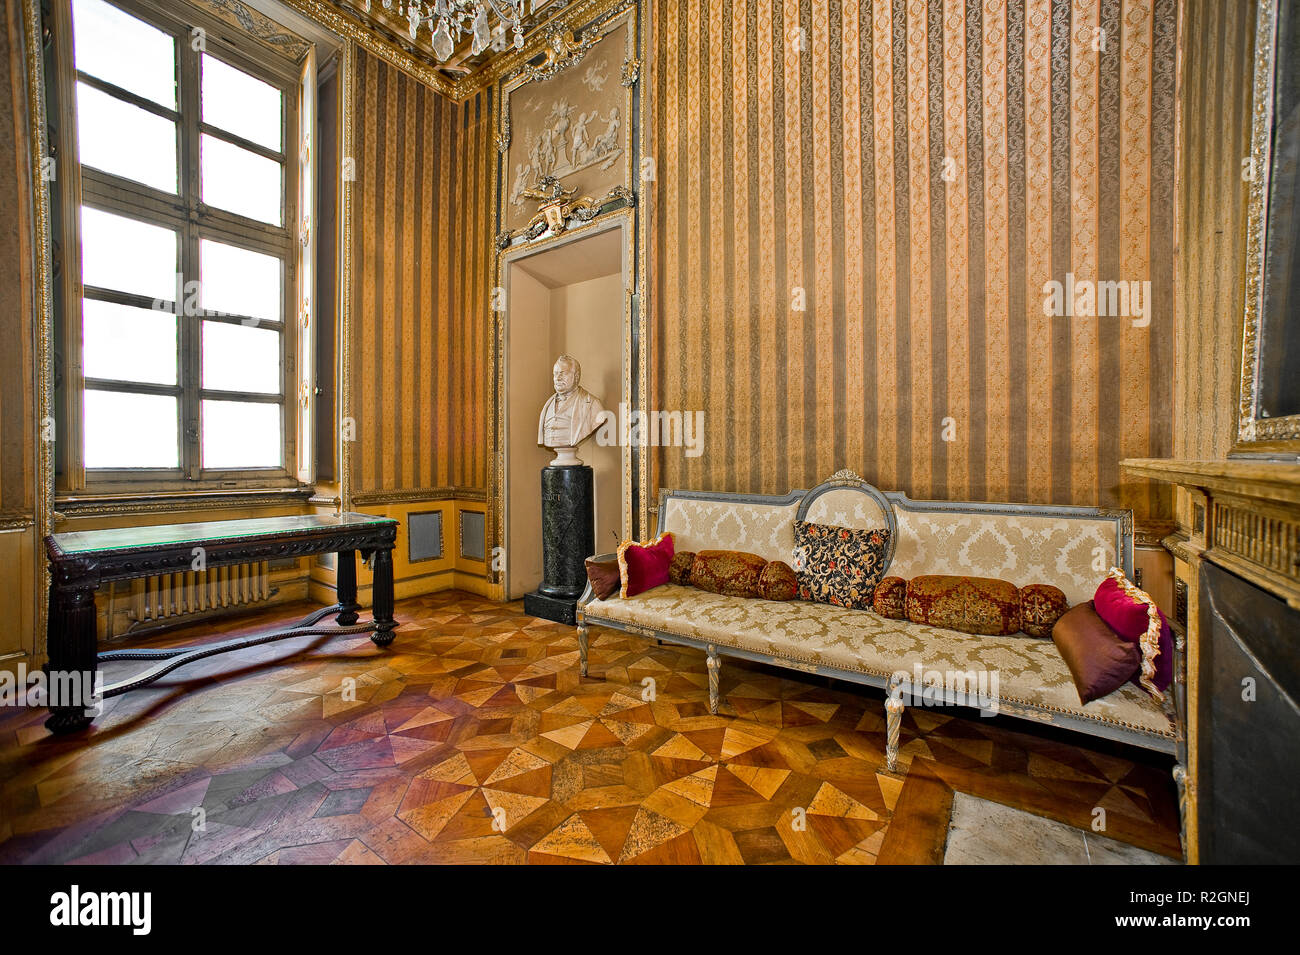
point(192, 220)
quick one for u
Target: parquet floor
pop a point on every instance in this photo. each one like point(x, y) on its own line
point(473, 739)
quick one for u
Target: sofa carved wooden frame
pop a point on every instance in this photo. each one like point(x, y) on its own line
point(1022, 709)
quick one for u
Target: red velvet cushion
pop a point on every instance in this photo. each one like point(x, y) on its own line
point(1123, 614)
point(1127, 616)
point(643, 567)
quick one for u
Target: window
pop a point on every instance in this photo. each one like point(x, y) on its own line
point(180, 332)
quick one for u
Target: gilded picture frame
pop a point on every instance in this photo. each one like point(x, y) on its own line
point(1260, 432)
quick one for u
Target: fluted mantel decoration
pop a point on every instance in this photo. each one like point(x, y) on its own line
point(447, 20)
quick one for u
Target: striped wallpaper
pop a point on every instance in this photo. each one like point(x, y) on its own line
point(911, 172)
point(474, 232)
point(405, 294)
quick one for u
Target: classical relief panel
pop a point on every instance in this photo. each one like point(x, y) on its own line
point(568, 119)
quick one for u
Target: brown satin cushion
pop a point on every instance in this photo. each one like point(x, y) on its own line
point(679, 571)
point(604, 578)
point(1099, 659)
point(1041, 605)
point(890, 599)
point(732, 573)
point(778, 582)
point(980, 605)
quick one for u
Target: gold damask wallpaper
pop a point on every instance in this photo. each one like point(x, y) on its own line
point(405, 295)
point(856, 207)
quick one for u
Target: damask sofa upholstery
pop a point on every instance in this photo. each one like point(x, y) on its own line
point(1023, 544)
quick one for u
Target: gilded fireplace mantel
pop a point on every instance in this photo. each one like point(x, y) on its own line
point(1245, 516)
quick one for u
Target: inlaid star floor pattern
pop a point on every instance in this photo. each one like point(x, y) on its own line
point(472, 739)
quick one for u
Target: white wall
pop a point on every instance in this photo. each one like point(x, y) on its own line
point(527, 386)
point(587, 323)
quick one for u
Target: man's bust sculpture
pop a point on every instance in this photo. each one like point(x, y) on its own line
point(570, 415)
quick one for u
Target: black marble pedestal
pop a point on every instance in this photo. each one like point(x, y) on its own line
point(568, 539)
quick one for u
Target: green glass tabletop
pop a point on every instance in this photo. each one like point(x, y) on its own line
point(209, 532)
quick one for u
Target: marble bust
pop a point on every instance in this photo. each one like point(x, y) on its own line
point(570, 415)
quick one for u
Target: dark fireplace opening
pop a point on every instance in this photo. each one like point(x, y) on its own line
point(1249, 723)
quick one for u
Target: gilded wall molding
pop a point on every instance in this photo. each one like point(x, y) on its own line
point(563, 49)
point(257, 25)
point(343, 304)
point(38, 143)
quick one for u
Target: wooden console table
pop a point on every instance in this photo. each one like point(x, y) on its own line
point(82, 560)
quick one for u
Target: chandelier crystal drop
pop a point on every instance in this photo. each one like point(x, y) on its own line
point(448, 20)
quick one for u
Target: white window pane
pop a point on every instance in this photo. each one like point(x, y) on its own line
point(116, 47)
point(238, 281)
point(125, 140)
point(130, 431)
point(127, 255)
point(240, 434)
point(124, 343)
point(241, 104)
point(240, 181)
point(241, 358)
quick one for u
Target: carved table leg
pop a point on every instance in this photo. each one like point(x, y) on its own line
point(73, 665)
point(383, 598)
point(893, 726)
point(582, 649)
point(347, 588)
point(715, 665)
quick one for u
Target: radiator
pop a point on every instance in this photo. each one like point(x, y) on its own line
point(159, 599)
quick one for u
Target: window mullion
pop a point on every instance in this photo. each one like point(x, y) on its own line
point(190, 325)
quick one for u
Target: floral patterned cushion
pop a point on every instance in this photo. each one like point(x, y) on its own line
point(970, 604)
point(891, 598)
point(731, 572)
point(839, 565)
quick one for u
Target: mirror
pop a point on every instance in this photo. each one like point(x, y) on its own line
point(1270, 388)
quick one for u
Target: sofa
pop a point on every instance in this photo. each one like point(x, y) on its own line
point(1023, 544)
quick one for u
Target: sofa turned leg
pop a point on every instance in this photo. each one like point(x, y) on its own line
point(715, 665)
point(582, 649)
point(893, 727)
point(1183, 783)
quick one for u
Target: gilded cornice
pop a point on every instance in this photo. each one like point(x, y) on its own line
point(506, 64)
point(350, 28)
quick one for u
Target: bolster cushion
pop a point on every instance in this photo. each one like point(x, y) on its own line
point(732, 573)
point(1041, 605)
point(778, 582)
point(890, 599)
point(679, 571)
point(981, 605)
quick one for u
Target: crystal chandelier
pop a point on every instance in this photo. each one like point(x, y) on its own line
point(449, 19)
